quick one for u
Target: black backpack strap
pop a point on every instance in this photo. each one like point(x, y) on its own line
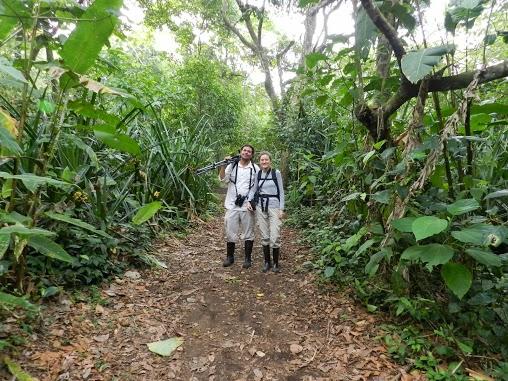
point(276, 182)
point(235, 167)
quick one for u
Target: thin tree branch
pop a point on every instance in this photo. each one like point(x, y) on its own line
point(261, 19)
point(244, 8)
point(229, 25)
point(384, 27)
point(283, 52)
point(322, 4)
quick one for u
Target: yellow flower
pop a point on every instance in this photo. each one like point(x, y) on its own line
point(80, 196)
point(156, 194)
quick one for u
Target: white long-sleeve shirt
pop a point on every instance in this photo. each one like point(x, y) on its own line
point(245, 177)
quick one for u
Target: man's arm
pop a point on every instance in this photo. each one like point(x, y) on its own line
point(224, 172)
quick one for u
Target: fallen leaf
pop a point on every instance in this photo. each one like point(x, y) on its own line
point(101, 338)
point(475, 375)
point(99, 309)
point(132, 274)
point(295, 348)
point(260, 354)
point(165, 347)
point(86, 373)
point(258, 375)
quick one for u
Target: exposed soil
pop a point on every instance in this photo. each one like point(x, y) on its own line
point(236, 324)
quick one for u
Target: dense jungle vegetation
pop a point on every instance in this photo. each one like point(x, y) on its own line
point(392, 139)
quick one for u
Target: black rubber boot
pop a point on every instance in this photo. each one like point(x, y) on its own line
point(230, 259)
point(276, 267)
point(248, 254)
point(266, 254)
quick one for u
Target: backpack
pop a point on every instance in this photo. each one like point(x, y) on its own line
point(274, 179)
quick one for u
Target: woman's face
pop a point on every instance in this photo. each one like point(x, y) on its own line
point(265, 162)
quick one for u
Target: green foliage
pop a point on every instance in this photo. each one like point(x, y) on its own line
point(457, 277)
point(84, 164)
point(442, 261)
point(416, 65)
point(146, 212)
point(424, 227)
point(92, 32)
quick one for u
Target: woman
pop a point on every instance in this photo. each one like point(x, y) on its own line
point(270, 209)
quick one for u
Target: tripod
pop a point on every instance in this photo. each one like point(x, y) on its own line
point(218, 164)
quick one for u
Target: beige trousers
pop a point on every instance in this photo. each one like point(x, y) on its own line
point(269, 225)
point(239, 224)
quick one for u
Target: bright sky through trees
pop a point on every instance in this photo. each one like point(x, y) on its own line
point(291, 25)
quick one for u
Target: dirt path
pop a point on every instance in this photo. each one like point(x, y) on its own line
point(236, 325)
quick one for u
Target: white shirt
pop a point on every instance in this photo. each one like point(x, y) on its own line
point(245, 179)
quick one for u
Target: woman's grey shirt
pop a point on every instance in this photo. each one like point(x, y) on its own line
point(269, 187)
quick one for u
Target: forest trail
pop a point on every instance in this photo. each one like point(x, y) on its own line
point(236, 324)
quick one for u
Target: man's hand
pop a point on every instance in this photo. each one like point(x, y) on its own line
point(226, 164)
point(249, 207)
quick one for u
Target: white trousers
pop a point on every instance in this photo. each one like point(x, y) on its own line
point(269, 225)
point(239, 224)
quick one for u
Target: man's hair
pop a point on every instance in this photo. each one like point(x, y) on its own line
point(247, 145)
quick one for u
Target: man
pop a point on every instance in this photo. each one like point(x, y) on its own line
point(241, 179)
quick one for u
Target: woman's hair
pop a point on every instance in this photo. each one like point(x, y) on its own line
point(265, 153)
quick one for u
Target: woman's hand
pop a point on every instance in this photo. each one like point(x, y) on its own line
point(249, 207)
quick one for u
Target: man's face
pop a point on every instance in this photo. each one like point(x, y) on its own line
point(246, 153)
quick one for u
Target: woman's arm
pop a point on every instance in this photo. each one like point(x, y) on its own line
point(282, 199)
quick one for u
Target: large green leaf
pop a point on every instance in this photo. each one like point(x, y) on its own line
point(14, 218)
point(489, 108)
point(24, 231)
point(12, 12)
point(462, 206)
point(8, 299)
point(146, 212)
point(464, 12)
point(427, 226)
point(165, 347)
point(9, 70)
point(365, 32)
point(17, 371)
point(50, 248)
point(457, 277)
point(432, 255)
point(383, 197)
point(497, 194)
point(92, 32)
point(76, 222)
point(7, 141)
point(416, 65)
point(479, 234)
point(373, 264)
point(90, 111)
point(312, 59)
point(32, 182)
point(116, 140)
point(404, 225)
point(485, 257)
point(4, 244)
